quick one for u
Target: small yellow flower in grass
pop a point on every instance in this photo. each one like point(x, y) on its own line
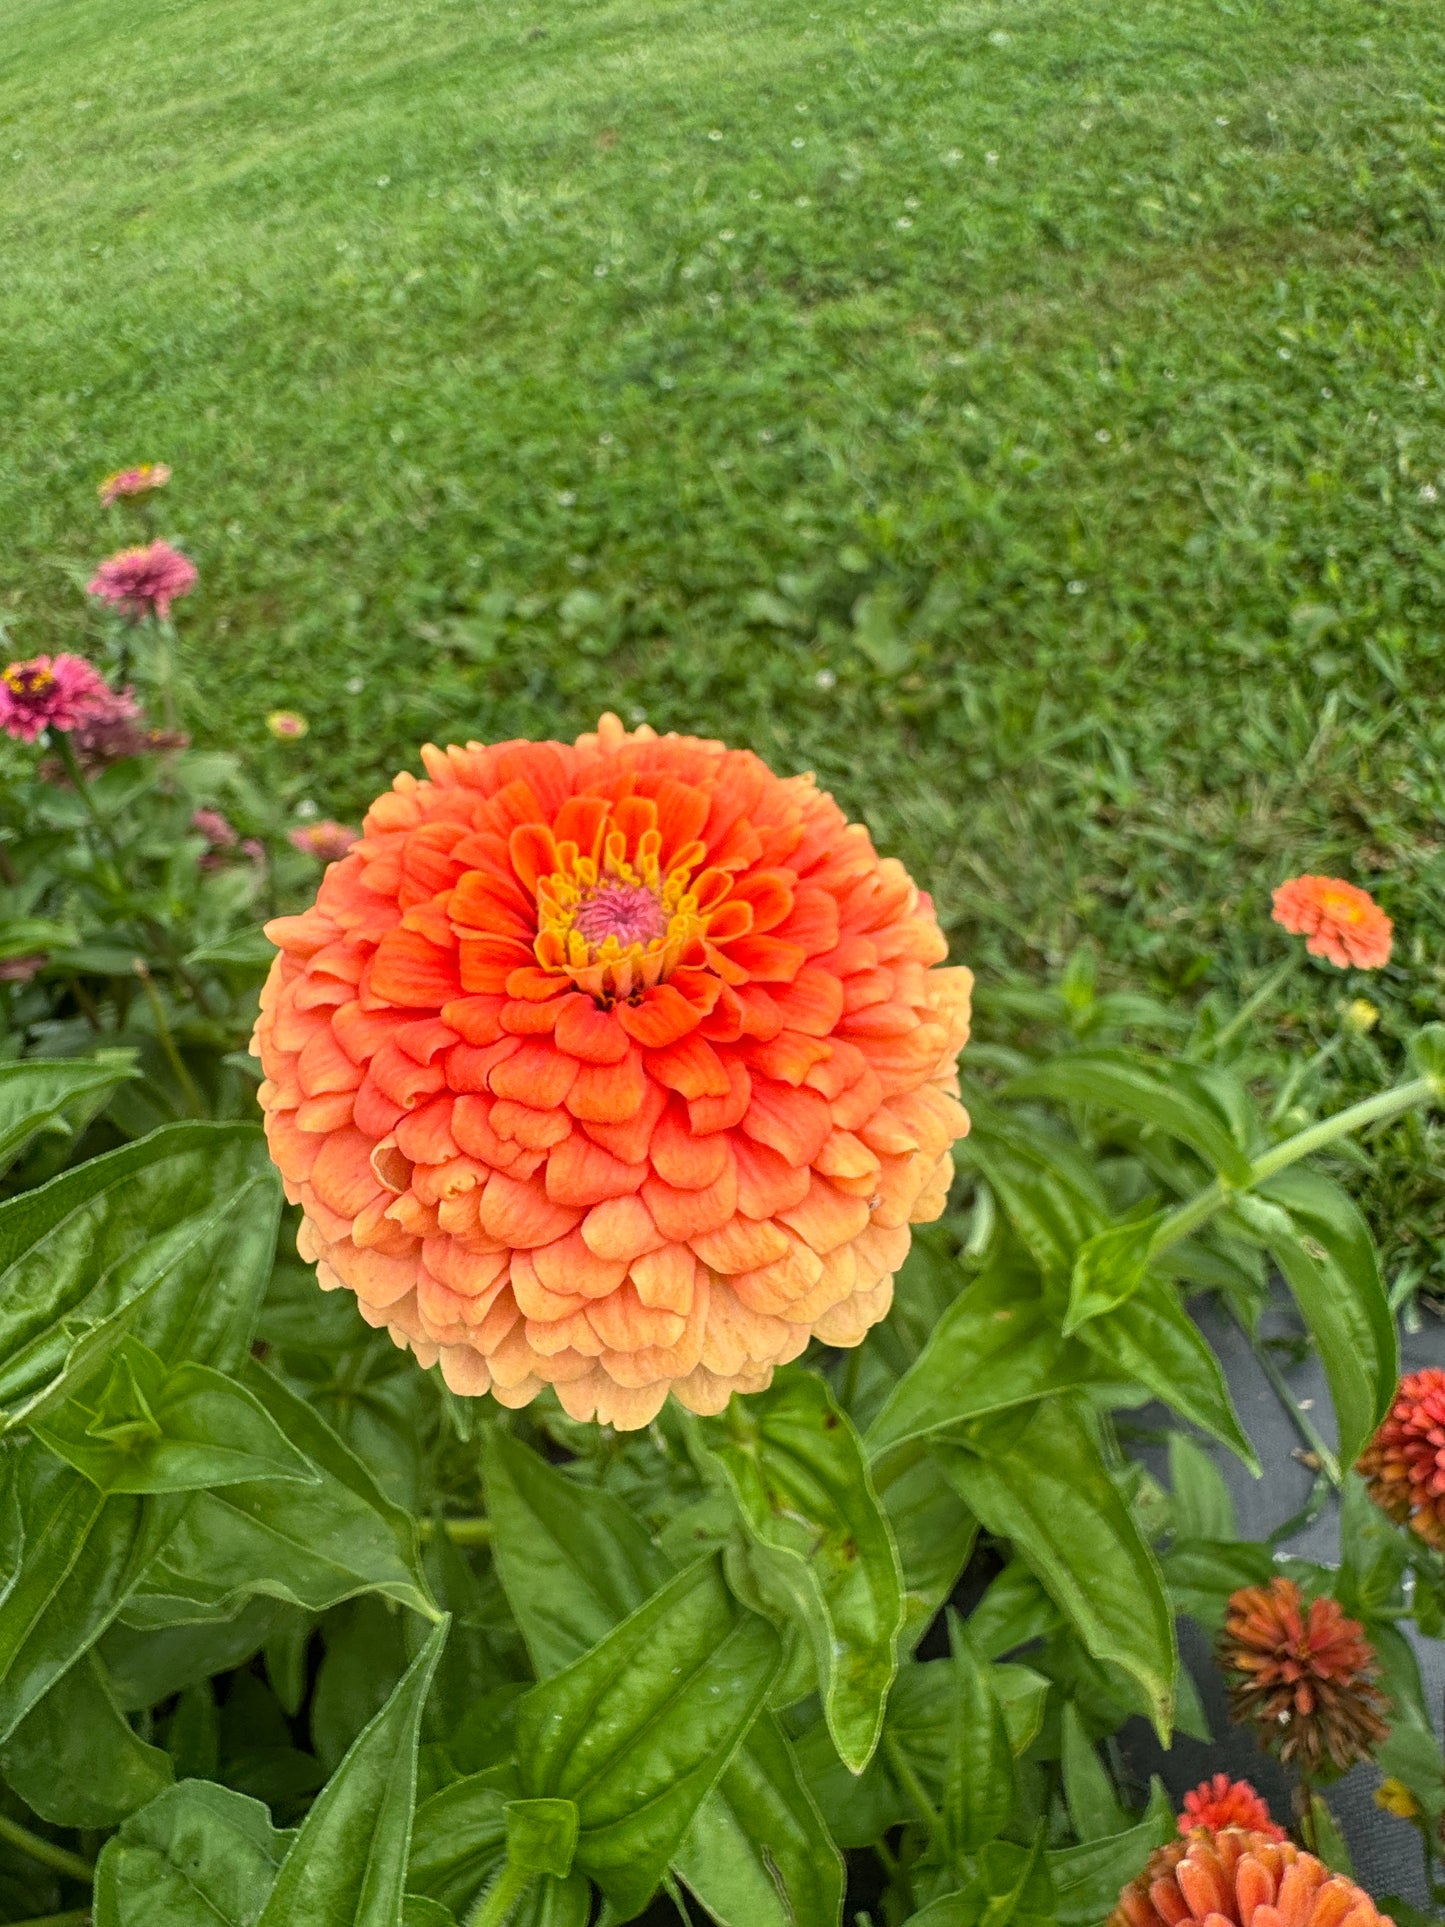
point(1395, 1797)
point(287, 725)
point(1362, 1015)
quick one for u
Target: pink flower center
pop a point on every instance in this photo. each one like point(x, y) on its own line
point(628, 911)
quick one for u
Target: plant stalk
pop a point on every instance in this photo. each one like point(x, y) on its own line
point(914, 1788)
point(1252, 1004)
point(65, 749)
point(58, 1859)
point(496, 1904)
point(167, 1039)
point(461, 1532)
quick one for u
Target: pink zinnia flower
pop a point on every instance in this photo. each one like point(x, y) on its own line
point(328, 842)
point(143, 582)
point(139, 480)
point(287, 725)
point(59, 692)
point(215, 829)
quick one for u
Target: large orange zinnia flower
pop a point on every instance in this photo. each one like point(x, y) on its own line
point(1242, 1879)
point(622, 1067)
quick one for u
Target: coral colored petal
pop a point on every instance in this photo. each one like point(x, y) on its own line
point(690, 1067)
point(796, 1124)
point(580, 1172)
point(595, 1036)
point(661, 1017)
point(608, 1093)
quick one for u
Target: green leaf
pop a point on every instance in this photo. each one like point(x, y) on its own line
point(197, 1854)
point(1042, 1484)
point(1048, 1191)
point(573, 1561)
point(74, 1760)
point(550, 1902)
point(170, 1239)
point(642, 1727)
point(1088, 1879)
point(1202, 1573)
point(933, 1531)
point(1329, 1842)
point(347, 1865)
point(1088, 1790)
point(1179, 1099)
point(181, 1428)
point(69, 1558)
point(995, 1347)
point(1203, 1508)
point(1324, 1248)
point(1014, 1611)
point(541, 1835)
point(980, 1786)
point(1108, 1269)
point(60, 1095)
point(807, 1502)
point(459, 1839)
point(1153, 1339)
point(416, 1911)
point(757, 1853)
point(310, 1545)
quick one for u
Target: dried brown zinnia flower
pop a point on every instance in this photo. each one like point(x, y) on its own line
point(1304, 1676)
point(1242, 1879)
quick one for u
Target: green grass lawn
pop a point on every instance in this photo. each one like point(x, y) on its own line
point(1031, 416)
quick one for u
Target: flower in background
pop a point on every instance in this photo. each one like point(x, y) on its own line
point(621, 1066)
point(254, 850)
point(287, 725)
point(1404, 1463)
point(56, 692)
point(1304, 1676)
point(1222, 1802)
point(19, 970)
point(106, 739)
point(1239, 1878)
point(140, 480)
point(1362, 1016)
point(1340, 921)
point(327, 841)
point(215, 828)
point(145, 581)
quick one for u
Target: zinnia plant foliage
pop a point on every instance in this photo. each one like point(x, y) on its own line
point(685, 1497)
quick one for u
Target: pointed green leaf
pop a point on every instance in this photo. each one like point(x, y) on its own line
point(640, 1729)
point(347, 1865)
point(459, 1840)
point(74, 1759)
point(934, 1533)
point(197, 1854)
point(1108, 1269)
point(980, 1786)
point(1088, 1879)
point(1153, 1340)
point(802, 1486)
point(1042, 1484)
point(1180, 1099)
point(1203, 1508)
point(1088, 1790)
point(59, 1095)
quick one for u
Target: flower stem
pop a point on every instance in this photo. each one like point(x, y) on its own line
point(58, 1859)
point(461, 1532)
point(167, 1040)
point(914, 1788)
point(496, 1904)
point(1385, 1105)
point(65, 749)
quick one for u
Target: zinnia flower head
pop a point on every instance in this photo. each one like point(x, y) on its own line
point(326, 840)
point(139, 480)
point(1340, 921)
point(1222, 1802)
point(621, 1066)
point(1304, 1675)
point(1404, 1463)
point(287, 725)
point(54, 692)
point(218, 831)
point(145, 581)
point(1242, 1879)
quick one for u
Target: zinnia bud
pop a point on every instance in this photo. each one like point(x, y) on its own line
point(1304, 1675)
point(621, 1066)
point(1222, 1802)
point(1340, 921)
point(1242, 1879)
point(1404, 1463)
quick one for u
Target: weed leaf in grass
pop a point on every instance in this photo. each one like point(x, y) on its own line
point(57, 1097)
point(182, 1428)
point(347, 1865)
point(821, 1544)
point(74, 1758)
point(757, 1853)
point(572, 1560)
point(640, 1729)
point(197, 1853)
point(170, 1239)
point(69, 1559)
point(1038, 1479)
point(311, 1545)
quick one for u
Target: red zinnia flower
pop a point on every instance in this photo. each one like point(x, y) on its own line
point(1304, 1676)
point(133, 481)
point(1404, 1462)
point(622, 1067)
point(1242, 1879)
point(56, 692)
point(326, 840)
point(1341, 921)
point(145, 581)
point(1222, 1802)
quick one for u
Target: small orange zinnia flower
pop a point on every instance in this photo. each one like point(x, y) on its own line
point(1340, 921)
point(1222, 1802)
point(1242, 1879)
point(1304, 1676)
point(621, 1066)
point(1404, 1463)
